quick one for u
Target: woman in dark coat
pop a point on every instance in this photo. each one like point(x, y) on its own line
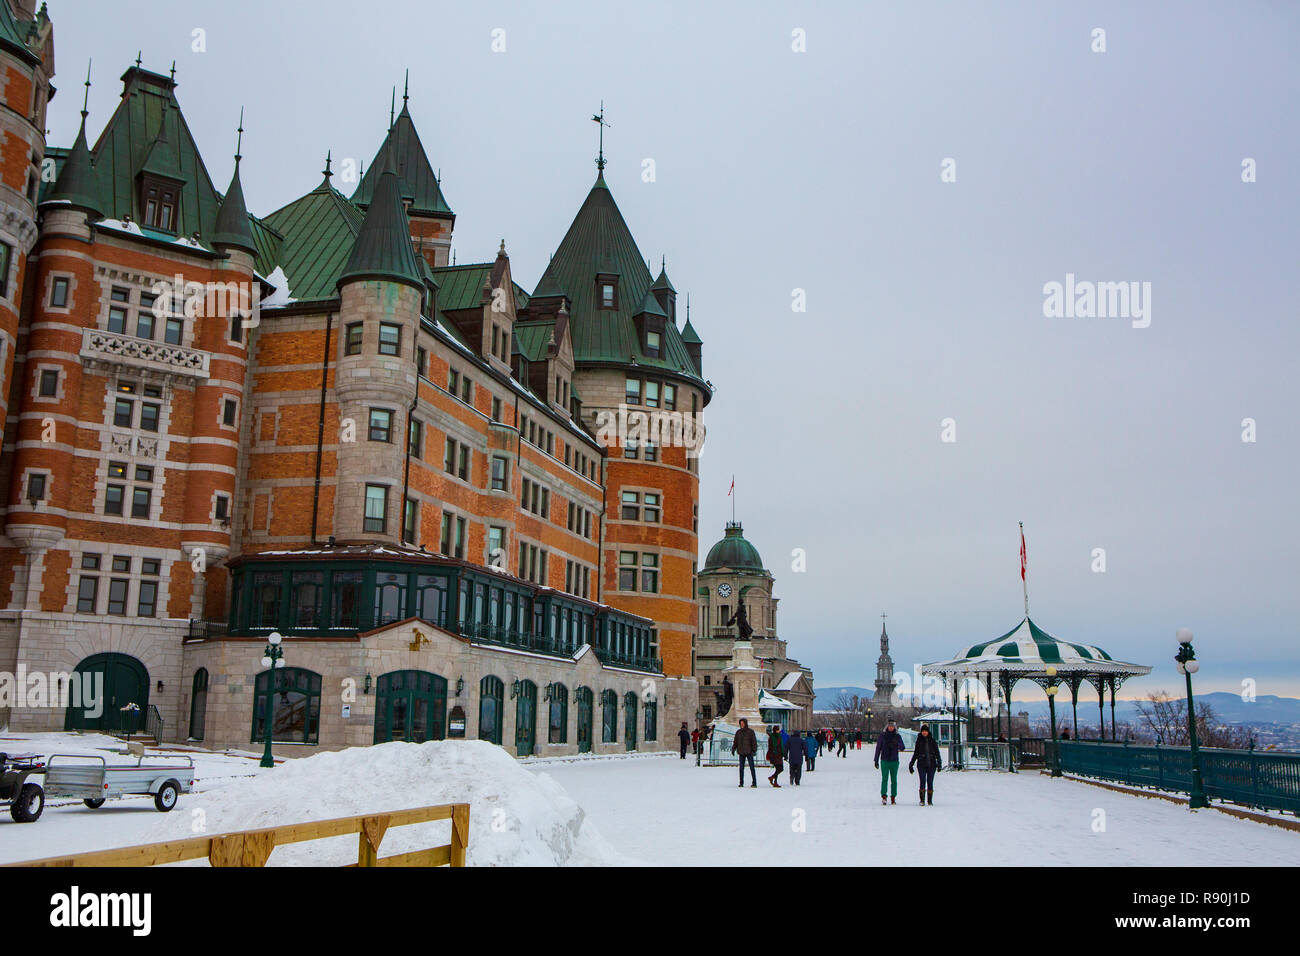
point(774, 754)
point(926, 756)
point(794, 752)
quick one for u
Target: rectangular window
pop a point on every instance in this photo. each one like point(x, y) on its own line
point(444, 542)
point(607, 295)
point(117, 320)
point(496, 409)
point(6, 259)
point(113, 496)
point(651, 512)
point(123, 412)
point(633, 391)
point(223, 508)
point(631, 506)
point(670, 396)
point(36, 487)
point(49, 383)
point(352, 338)
point(421, 361)
point(650, 573)
point(150, 566)
point(228, 410)
point(381, 424)
point(466, 390)
point(410, 520)
point(376, 519)
point(149, 417)
point(117, 594)
point(140, 499)
point(148, 601)
point(144, 325)
point(651, 452)
point(144, 473)
point(630, 449)
point(652, 344)
point(496, 546)
point(59, 293)
point(627, 570)
point(500, 473)
point(415, 440)
point(463, 471)
point(175, 330)
point(460, 538)
point(449, 457)
point(652, 394)
point(453, 381)
point(390, 339)
point(117, 469)
point(87, 594)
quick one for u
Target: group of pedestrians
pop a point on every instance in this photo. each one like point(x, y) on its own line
point(794, 749)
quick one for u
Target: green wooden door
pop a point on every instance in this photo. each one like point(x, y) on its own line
point(109, 682)
point(629, 720)
point(584, 719)
point(526, 719)
point(410, 705)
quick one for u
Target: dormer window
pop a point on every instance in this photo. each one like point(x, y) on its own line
point(159, 199)
point(652, 344)
point(607, 291)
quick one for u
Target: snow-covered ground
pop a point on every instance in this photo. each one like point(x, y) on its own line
point(667, 811)
point(655, 809)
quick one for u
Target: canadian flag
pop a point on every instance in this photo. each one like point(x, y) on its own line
point(1022, 554)
point(733, 486)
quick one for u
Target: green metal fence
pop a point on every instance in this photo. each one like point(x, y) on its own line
point(1251, 777)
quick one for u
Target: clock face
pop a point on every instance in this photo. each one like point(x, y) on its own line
point(724, 590)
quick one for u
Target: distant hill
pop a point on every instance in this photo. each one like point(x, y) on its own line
point(1265, 709)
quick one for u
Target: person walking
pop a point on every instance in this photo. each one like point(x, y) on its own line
point(745, 745)
point(926, 758)
point(843, 738)
point(888, 746)
point(794, 753)
point(821, 741)
point(810, 748)
point(857, 740)
point(774, 751)
point(695, 741)
point(683, 740)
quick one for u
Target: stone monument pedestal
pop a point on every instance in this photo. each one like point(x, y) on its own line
point(746, 679)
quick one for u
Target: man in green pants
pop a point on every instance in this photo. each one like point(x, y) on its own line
point(888, 746)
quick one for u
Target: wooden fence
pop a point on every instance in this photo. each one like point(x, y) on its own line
point(252, 847)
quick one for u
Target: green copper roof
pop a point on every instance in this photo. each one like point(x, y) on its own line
point(599, 241)
point(418, 182)
point(383, 249)
point(662, 284)
point(461, 287)
point(650, 306)
point(733, 552)
point(689, 335)
point(76, 183)
point(319, 232)
point(533, 339)
point(232, 226)
point(13, 34)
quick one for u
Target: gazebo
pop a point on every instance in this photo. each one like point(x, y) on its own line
point(1027, 652)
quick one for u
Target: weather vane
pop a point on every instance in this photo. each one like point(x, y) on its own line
point(599, 120)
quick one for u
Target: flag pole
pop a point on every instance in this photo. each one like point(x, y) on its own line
point(1024, 568)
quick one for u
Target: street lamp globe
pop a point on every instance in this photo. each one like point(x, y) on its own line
point(1051, 691)
point(1181, 668)
point(1184, 635)
point(266, 662)
point(1192, 666)
point(275, 637)
point(280, 662)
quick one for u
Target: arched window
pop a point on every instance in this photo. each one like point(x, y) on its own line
point(491, 699)
point(582, 698)
point(651, 720)
point(608, 716)
point(431, 599)
point(305, 590)
point(295, 705)
point(390, 598)
point(525, 694)
point(629, 719)
point(198, 703)
point(558, 732)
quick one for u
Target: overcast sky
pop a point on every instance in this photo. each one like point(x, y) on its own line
point(777, 170)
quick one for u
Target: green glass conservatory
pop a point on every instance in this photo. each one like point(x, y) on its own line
point(345, 591)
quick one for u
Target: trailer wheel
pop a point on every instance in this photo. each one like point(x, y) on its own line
point(94, 804)
point(166, 796)
point(28, 806)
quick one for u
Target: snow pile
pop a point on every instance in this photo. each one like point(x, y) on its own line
point(281, 295)
point(516, 818)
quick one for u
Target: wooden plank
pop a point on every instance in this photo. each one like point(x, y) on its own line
point(372, 834)
point(435, 856)
point(227, 850)
point(459, 834)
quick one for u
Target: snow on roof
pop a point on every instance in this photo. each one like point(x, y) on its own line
point(769, 701)
point(282, 294)
point(789, 680)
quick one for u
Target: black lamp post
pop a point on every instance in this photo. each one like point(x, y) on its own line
point(1187, 666)
point(699, 739)
point(1051, 708)
point(272, 660)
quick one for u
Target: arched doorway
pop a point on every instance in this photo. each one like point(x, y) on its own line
point(109, 682)
point(411, 706)
point(526, 719)
point(582, 697)
point(491, 700)
point(198, 704)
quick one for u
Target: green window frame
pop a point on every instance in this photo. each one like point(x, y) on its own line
point(491, 708)
point(410, 705)
point(651, 720)
point(558, 716)
point(608, 717)
point(629, 719)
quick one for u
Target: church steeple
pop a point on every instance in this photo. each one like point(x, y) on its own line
point(885, 682)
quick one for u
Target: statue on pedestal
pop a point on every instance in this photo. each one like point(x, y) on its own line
point(741, 620)
point(725, 698)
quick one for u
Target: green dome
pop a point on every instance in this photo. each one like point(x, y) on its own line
point(733, 551)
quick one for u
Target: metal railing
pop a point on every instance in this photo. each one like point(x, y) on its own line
point(153, 724)
point(1254, 778)
point(205, 629)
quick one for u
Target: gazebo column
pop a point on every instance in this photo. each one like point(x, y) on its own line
point(1075, 681)
point(1114, 733)
point(1101, 707)
point(988, 680)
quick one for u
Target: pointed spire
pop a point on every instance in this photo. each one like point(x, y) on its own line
point(383, 248)
point(327, 172)
point(232, 228)
point(138, 59)
point(76, 183)
point(406, 89)
point(392, 109)
point(599, 119)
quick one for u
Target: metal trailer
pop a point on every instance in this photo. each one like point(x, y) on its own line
point(90, 778)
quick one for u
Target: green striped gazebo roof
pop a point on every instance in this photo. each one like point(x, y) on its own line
point(1028, 649)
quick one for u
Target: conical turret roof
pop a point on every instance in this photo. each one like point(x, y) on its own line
point(417, 182)
point(76, 183)
point(383, 249)
point(232, 228)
